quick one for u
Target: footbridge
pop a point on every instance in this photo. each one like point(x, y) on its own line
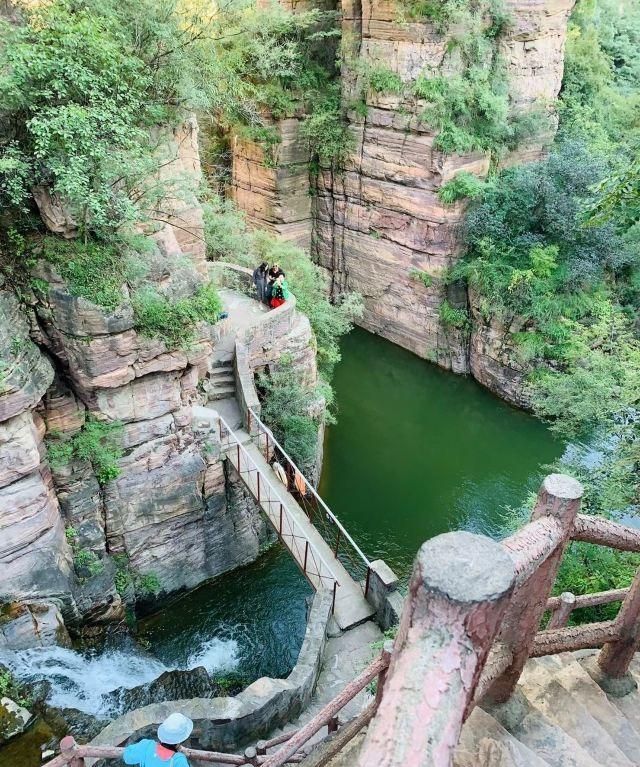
point(321, 547)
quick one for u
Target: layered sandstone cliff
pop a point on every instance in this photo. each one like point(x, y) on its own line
point(378, 225)
point(175, 511)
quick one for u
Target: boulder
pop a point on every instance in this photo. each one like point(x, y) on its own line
point(35, 624)
point(14, 719)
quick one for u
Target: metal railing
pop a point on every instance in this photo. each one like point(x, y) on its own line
point(314, 566)
point(324, 520)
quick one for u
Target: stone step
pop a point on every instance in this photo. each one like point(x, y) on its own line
point(224, 360)
point(629, 705)
point(570, 714)
point(221, 392)
point(532, 728)
point(484, 742)
point(222, 377)
point(575, 679)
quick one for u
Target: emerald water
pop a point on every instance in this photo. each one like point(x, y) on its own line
point(416, 452)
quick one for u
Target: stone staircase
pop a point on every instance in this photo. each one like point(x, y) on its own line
point(558, 717)
point(221, 383)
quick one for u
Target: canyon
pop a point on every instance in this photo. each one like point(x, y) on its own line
point(377, 225)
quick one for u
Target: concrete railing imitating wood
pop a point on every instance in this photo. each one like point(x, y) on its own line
point(472, 620)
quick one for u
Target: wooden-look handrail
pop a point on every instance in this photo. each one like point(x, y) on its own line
point(604, 532)
point(327, 713)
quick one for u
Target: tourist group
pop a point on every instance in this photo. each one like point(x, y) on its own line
point(271, 284)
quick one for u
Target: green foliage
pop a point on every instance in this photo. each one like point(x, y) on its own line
point(129, 582)
point(91, 269)
point(463, 185)
point(599, 382)
point(11, 688)
point(174, 320)
point(325, 128)
point(452, 317)
point(470, 110)
point(419, 275)
point(229, 683)
point(587, 568)
point(384, 80)
point(288, 409)
point(529, 254)
point(99, 442)
point(87, 563)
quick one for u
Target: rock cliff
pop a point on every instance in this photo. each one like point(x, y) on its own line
point(173, 513)
point(378, 225)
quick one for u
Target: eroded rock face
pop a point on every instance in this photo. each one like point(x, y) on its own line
point(379, 222)
point(494, 359)
point(274, 191)
point(34, 558)
point(382, 219)
point(37, 624)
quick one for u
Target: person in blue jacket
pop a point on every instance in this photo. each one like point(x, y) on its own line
point(175, 729)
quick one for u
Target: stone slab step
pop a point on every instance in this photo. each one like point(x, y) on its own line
point(629, 706)
point(575, 679)
point(221, 392)
point(551, 743)
point(571, 715)
point(484, 742)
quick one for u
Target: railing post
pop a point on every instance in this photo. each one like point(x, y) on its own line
point(258, 475)
point(68, 748)
point(615, 657)
point(367, 582)
point(306, 554)
point(559, 497)
point(459, 591)
point(238, 453)
point(382, 676)
point(281, 520)
point(560, 617)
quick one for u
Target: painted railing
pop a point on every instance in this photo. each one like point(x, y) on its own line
point(472, 620)
point(323, 519)
point(314, 566)
point(292, 747)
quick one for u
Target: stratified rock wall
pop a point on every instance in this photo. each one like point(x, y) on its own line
point(380, 221)
point(272, 186)
point(35, 559)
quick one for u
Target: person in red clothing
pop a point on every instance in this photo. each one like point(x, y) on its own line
point(278, 293)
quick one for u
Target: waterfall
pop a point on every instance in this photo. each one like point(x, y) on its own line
point(83, 680)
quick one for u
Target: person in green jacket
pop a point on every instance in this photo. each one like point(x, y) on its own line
point(175, 729)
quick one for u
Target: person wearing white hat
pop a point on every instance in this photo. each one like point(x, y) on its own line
point(175, 729)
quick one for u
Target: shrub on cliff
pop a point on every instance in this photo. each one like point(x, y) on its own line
point(174, 320)
point(99, 442)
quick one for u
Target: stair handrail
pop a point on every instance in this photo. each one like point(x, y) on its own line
point(283, 503)
point(314, 492)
